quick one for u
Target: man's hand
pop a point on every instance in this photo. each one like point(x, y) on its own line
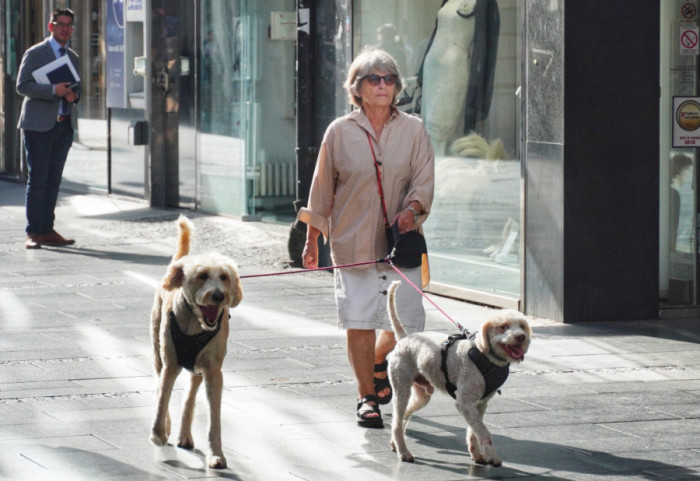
point(63, 90)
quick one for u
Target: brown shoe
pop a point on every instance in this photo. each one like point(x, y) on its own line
point(32, 242)
point(55, 239)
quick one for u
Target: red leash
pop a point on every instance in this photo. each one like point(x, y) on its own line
point(459, 326)
point(378, 261)
point(299, 271)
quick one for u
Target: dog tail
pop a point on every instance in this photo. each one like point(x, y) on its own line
point(396, 325)
point(185, 227)
point(155, 332)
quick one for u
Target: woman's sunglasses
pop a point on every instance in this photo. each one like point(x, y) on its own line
point(374, 79)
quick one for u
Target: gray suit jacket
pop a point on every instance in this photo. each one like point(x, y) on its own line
point(40, 106)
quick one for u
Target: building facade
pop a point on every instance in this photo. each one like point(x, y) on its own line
point(565, 166)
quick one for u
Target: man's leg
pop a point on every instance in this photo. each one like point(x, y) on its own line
point(62, 139)
point(38, 150)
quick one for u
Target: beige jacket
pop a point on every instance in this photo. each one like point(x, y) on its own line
point(344, 201)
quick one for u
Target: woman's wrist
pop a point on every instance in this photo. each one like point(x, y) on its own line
point(415, 214)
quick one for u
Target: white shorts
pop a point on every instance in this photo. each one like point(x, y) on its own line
point(361, 298)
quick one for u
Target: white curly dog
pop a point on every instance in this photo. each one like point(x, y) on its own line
point(424, 361)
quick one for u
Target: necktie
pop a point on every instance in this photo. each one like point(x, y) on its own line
point(65, 109)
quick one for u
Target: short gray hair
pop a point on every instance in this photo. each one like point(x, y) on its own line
point(369, 60)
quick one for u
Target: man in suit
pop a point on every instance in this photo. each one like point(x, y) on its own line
point(47, 120)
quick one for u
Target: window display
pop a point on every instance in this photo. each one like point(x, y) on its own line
point(461, 77)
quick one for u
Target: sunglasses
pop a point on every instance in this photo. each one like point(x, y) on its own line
point(374, 79)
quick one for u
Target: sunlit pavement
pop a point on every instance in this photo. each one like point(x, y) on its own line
point(613, 401)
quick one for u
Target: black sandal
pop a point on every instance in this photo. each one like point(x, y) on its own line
point(363, 418)
point(381, 384)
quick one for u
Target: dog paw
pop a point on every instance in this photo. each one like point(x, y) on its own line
point(406, 458)
point(159, 439)
point(217, 462)
point(186, 442)
point(491, 457)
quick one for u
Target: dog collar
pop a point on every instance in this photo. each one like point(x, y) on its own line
point(187, 347)
point(493, 354)
point(494, 376)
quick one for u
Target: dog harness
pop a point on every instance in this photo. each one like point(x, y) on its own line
point(494, 376)
point(187, 347)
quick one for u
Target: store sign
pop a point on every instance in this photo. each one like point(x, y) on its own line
point(686, 122)
point(135, 11)
point(283, 25)
point(116, 81)
point(688, 10)
point(689, 40)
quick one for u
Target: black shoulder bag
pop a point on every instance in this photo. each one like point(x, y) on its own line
point(405, 250)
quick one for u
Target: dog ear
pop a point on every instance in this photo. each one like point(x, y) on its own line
point(236, 289)
point(174, 277)
point(483, 337)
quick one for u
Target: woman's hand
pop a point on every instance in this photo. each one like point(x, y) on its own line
point(407, 219)
point(309, 256)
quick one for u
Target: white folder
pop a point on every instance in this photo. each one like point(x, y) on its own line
point(60, 70)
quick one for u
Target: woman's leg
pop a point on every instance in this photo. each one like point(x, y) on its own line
point(384, 345)
point(361, 355)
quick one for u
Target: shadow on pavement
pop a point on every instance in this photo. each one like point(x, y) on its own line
point(128, 257)
point(548, 460)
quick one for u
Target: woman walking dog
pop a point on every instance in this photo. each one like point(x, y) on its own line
point(345, 206)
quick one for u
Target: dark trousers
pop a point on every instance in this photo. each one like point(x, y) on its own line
point(46, 157)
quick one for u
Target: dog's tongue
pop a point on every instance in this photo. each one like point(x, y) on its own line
point(515, 352)
point(209, 312)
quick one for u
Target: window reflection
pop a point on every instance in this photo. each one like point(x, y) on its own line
point(461, 75)
point(681, 231)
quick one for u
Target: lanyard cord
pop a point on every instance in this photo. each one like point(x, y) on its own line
point(379, 182)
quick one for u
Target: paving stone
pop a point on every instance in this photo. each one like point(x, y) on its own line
point(613, 401)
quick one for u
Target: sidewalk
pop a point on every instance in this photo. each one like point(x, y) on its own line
point(613, 401)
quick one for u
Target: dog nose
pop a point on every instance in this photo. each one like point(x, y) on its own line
point(217, 297)
point(521, 337)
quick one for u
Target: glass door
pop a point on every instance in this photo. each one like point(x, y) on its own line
point(222, 123)
point(268, 82)
point(680, 101)
point(247, 127)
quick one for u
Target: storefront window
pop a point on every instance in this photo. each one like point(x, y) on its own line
point(86, 167)
point(678, 173)
point(462, 78)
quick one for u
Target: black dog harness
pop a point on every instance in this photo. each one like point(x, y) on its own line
point(494, 376)
point(187, 347)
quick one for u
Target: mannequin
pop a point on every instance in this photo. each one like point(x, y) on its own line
point(446, 73)
point(458, 70)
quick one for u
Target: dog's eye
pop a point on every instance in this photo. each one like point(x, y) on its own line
point(223, 277)
point(203, 276)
